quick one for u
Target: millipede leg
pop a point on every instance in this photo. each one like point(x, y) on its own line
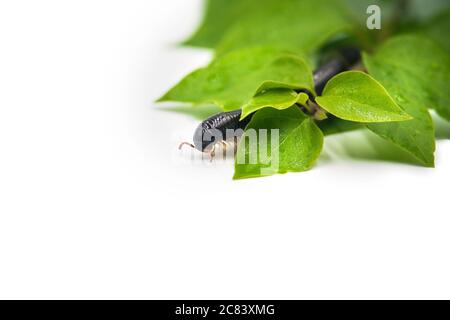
point(186, 144)
point(212, 153)
point(225, 145)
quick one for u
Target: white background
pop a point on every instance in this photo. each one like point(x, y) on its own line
point(95, 203)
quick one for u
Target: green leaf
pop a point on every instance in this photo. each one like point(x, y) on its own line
point(232, 80)
point(356, 96)
point(415, 136)
point(299, 145)
point(438, 29)
point(279, 99)
point(300, 26)
point(422, 66)
point(218, 16)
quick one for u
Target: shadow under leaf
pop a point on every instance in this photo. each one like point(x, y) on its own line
point(365, 145)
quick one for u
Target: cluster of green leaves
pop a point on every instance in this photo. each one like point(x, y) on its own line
point(266, 50)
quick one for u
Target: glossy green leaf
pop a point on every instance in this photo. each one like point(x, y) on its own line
point(218, 17)
point(275, 98)
point(422, 66)
point(299, 144)
point(297, 25)
point(355, 96)
point(232, 80)
point(415, 136)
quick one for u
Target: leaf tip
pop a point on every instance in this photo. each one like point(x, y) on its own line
point(244, 114)
point(161, 99)
point(429, 163)
point(401, 116)
point(164, 98)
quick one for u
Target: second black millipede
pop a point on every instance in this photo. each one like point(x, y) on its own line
point(204, 135)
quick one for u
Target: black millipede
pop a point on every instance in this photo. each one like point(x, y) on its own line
point(212, 130)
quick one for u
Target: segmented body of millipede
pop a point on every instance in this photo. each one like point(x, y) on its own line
point(216, 129)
